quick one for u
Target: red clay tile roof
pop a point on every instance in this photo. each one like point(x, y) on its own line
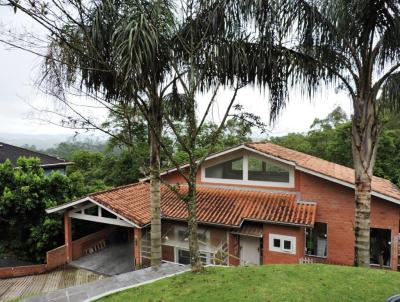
point(379, 185)
point(214, 205)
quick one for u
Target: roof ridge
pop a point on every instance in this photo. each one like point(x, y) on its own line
point(37, 152)
point(116, 188)
point(296, 151)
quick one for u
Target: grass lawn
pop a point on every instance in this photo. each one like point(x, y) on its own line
point(312, 282)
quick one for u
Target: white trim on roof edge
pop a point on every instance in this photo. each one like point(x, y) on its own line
point(67, 163)
point(77, 202)
point(66, 205)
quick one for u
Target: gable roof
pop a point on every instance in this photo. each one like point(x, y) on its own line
point(322, 168)
point(227, 207)
point(12, 153)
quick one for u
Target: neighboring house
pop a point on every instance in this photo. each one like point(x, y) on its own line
point(257, 203)
point(47, 162)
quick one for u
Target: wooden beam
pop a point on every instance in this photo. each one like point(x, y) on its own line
point(98, 219)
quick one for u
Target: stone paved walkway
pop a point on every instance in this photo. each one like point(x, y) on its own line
point(33, 285)
point(94, 289)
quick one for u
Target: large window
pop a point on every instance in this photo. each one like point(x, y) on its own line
point(283, 244)
point(380, 240)
point(250, 169)
point(183, 257)
point(232, 169)
point(316, 240)
point(261, 170)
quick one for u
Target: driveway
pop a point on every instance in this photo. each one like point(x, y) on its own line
point(115, 259)
point(32, 285)
point(93, 290)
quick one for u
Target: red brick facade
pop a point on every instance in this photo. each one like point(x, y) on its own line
point(335, 207)
point(270, 257)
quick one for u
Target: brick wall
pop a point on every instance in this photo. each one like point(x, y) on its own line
point(234, 250)
point(336, 207)
point(270, 257)
point(56, 257)
point(80, 245)
point(19, 271)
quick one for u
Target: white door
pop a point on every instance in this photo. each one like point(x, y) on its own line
point(249, 250)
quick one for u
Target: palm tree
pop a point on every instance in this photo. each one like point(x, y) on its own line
point(354, 44)
point(135, 52)
point(120, 49)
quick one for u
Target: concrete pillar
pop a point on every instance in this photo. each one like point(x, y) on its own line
point(137, 249)
point(68, 237)
point(395, 251)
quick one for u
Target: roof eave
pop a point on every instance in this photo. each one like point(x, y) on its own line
point(62, 208)
point(68, 163)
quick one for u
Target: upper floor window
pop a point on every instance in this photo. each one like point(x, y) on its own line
point(261, 170)
point(251, 169)
point(232, 169)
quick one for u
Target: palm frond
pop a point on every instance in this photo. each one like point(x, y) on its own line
point(389, 101)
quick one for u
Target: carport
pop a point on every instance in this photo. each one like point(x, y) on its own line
point(111, 251)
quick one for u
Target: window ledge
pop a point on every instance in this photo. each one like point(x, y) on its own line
point(378, 265)
point(315, 256)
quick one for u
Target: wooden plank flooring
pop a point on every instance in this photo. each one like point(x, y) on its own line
point(32, 285)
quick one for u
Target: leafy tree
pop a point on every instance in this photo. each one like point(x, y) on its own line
point(25, 192)
point(350, 43)
point(234, 133)
point(66, 149)
point(87, 171)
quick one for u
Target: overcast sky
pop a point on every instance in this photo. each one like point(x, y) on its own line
point(19, 70)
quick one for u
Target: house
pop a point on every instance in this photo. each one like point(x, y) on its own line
point(47, 162)
point(257, 203)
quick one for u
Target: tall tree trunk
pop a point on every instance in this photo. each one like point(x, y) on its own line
point(195, 260)
point(364, 147)
point(155, 195)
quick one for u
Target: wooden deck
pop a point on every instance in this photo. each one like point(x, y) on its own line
point(32, 285)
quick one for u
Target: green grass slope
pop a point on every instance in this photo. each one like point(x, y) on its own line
point(269, 284)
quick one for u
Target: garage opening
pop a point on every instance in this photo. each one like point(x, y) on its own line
point(115, 257)
point(380, 240)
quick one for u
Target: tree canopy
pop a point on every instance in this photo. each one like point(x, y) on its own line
point(330, 139)
point(27, 232)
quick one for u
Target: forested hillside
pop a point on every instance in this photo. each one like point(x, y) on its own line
point(330, 139)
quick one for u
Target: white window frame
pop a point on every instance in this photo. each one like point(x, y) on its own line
point(245, 180)
point(281, 249)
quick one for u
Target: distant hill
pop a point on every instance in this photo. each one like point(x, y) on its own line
point(44, 141)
